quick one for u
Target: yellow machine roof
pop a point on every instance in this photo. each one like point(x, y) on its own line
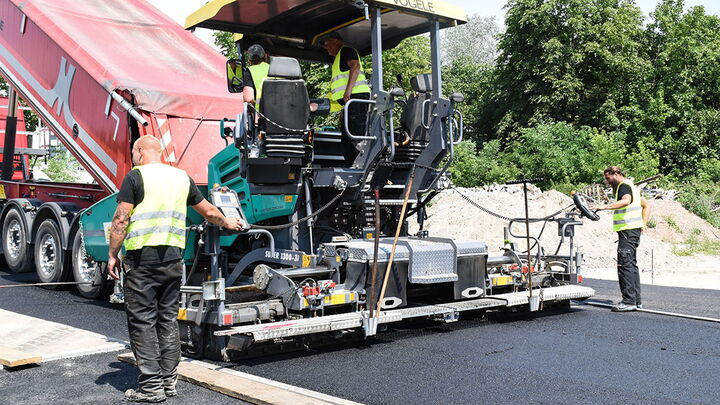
point(292, 27)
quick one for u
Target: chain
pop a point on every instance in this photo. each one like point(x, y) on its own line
point(508, 219)
point(304, 131)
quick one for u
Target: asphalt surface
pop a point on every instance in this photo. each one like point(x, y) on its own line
point(585, 355)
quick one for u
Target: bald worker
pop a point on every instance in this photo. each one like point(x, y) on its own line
point(150, 222)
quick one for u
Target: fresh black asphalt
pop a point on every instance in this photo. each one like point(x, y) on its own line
point(586, 355)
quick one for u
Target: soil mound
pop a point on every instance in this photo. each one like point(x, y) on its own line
point(451, 215)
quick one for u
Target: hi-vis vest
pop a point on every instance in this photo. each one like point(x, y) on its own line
point(235, 75)
point(629, 217)
point(159, 219)
point(259, 73)
point(339, 80)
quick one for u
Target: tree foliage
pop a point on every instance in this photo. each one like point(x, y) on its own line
point(62, 167)
point(474, 42)
point(577, 61)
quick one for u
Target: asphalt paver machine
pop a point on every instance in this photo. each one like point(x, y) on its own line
point(328, 253)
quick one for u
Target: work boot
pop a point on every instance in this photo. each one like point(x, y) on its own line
point(169, 385)
point(623, 307)
point(170, 391)
point(139, 396)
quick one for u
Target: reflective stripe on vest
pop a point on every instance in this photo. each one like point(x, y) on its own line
point(259, 73)
point(629, 217)
point(159, 219)
point(339, 80)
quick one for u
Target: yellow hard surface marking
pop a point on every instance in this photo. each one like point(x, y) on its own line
point(182, 314)
point(288, 198)
point(2, 192)
point(306, 260)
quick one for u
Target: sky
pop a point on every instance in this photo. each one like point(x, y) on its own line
point(179, 9)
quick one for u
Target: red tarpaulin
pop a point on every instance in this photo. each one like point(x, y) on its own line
point(130, 45)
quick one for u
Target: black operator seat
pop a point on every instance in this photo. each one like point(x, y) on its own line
point(286, 106)
point(411, 119)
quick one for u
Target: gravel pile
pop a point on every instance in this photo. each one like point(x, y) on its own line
point(450, 215)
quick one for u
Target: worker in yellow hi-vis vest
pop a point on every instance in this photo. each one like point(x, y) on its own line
point(631, 211)
point(348, 82)
point(150, 222)
point(258, 67)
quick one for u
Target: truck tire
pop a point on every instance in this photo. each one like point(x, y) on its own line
point(86, 270)
point(49, 254)
point(15, 247)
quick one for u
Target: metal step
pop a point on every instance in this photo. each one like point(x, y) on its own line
point(283, 329)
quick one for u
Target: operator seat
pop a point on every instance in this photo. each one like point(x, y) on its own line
point(411, 119)
point(286, 105)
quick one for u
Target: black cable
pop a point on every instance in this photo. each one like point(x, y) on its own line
point(301, 220)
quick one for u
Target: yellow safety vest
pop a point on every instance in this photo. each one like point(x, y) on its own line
point(629, 217)
point(259, 73)
point(159, 219)
point(339, 80)
point(235, 75)
point(334, 105)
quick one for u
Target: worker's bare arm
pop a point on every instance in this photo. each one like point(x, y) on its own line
point(248, 94)
point(645, 204)
point(622, 203)
point(214, 216)
point(118, 230)
point(354, 65)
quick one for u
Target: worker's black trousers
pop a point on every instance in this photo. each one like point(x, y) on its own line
point(628, 272)
point(152, 295)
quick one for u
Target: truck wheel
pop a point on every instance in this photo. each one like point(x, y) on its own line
point(49, 254)
point(86, 270)
point(14, 235)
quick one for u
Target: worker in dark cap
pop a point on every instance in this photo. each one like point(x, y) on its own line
point(348, 82)
point(259, 67)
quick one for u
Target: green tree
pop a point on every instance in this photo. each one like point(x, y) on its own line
point(474, 81)
point(62, 167)
point(577, 61)
point(682, 114)
point(474, 42)
point(223, 40)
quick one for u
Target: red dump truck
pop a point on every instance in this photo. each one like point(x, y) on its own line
point(99, 74)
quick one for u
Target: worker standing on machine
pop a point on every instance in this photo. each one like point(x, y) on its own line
point(150, 222)
point(348, 82)
point(631, 213)
point(258, 67)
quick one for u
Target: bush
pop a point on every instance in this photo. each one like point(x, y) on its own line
point(700, 197)
point(566, 156)
point(709, 170)
point(471, 168)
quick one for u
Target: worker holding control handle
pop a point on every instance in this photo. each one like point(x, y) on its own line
point(150, 222)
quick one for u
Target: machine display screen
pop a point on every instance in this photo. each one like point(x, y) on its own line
point(222, 199)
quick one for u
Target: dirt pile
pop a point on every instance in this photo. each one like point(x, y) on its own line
point(451, 215)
